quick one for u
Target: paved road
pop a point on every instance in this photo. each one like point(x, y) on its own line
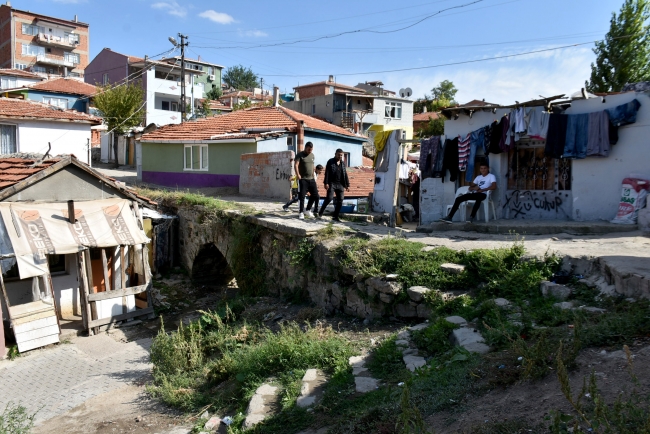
point(55, 380)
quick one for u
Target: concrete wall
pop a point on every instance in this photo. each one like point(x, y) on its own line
point(65, 137)
point(597, 181)
point(384, 193)
point(324, 106)
point(74, 102)
point(266, 174)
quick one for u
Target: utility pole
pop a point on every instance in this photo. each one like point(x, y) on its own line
point(261, 88)
point(183, 44)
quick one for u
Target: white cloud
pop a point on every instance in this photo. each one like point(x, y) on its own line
point(171, 7)
point(505, 81)
point(254, 33)
point(217, 17)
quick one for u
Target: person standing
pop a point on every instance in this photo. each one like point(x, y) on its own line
point(336, 180)
point(304, 167)
point(482, 183)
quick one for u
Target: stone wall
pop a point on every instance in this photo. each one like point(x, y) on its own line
point(266, 174)
point(323, 279)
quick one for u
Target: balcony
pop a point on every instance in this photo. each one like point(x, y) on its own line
point(57, 41)
point(163, 117)
point(45, 60)
point(172, 87)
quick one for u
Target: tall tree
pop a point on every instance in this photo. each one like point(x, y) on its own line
point(214, 93)
point(444, 91)
point(624, 56)
point(239, 77)
point(122, 108)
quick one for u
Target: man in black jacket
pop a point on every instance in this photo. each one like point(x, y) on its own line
point(336, 179)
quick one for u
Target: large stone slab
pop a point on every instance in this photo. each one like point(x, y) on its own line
point(381, 285)
point(413, 362)
point(552, 289)
point(469, 339)
point(313, 383)
point(416, 293)
point(458, 320)
point(264, 403)
point(452, 268)
point(365, 384)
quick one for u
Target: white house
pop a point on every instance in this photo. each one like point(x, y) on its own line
point(32, 127)
point(16, 78)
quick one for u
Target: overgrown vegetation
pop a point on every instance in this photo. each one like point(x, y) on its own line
point(183, 198)
point(16, 420)
point(247, 261)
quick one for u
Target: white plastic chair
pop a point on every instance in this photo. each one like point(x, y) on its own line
point(487, 204)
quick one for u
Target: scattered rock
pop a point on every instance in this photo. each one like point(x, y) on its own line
point(404, 334)
point(311, 391)
point(452, 268)
point(213, 423)
point(457, 320)
point(365, 384)
point(381, 285)
point(428, 248)
point(262, 404)
point(564, 305)
point(416, 293)
point(205, 415)
point(405, 310)
point(409, 352)
point(423, 311)
point(413, 362)
point(419, 327)
point(386, 298)
point(469, 339)
point(402, 343)
point(502, 302)
point(551, 289)
point(391, 277)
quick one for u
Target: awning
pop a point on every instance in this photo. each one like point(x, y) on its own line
point(40, 229)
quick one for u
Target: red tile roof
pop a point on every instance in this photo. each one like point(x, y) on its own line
point(66, 85)
point(362, 182)
point(425, 116)
point(237, 121)
point(13, 170)
point(14, 108)
point(19, 73)
point(367, 161)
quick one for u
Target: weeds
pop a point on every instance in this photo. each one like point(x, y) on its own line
point(187, 199)
point(302, 255)
point(434, 339)
point(16, 420)
point(386, 362)
point(13, 353)
point(247, 261)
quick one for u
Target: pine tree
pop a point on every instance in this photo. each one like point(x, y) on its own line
point(624, 56)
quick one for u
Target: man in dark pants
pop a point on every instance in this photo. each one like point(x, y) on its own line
point(482, 183)
point(336, 179)
point(304, 167)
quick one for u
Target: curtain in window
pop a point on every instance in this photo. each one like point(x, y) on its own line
point(7, 139)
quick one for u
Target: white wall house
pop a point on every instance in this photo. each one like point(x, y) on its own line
point(16, 78)
point(30, 127)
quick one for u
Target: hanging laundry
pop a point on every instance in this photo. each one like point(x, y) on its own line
point(624, 114)
point(381, 158)
point(577, 130)
point(437, 165)
point(463, 152)
point(520, 120)
point(477, 139)
point(450, 159)
point(404, 169)
point(598, 134)
point(556, 137)
point(496, 130)
point(428, 153)
point(538, 123)
point(505, 121)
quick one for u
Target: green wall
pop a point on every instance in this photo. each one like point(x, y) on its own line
point(223, 158)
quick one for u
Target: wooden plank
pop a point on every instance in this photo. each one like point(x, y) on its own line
point(5, 296)
point(118, 293)
point(123, 279)
point(49, 281)
point(27, 319)
point(85, 308)
point(37, 333)
point(141, 304)
point(36, 323)
point(124, 316)
point(32, 308)
point(91, 310)
point(90, 288)
point(147, 274)
point(107, 285)
point(37, 343)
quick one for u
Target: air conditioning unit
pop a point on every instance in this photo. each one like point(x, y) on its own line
point(211, 77)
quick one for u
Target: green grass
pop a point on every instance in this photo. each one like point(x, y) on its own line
point(183, 198)
point(386, 362)
point(434, 339)
point(16, 420)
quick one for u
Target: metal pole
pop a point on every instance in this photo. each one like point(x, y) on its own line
point(183, 44)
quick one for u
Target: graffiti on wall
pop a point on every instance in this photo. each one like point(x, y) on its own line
point(522, 203)
point(282, 174)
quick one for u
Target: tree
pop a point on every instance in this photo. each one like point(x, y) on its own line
point(444, 91)
point(624, 55)
point(435, 127)
point(121, 107)
point(214, 93)
point(241, 78)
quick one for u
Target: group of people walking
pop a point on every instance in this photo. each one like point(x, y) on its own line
point(335, 181)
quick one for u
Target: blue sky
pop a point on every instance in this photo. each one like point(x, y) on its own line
point(229, 33)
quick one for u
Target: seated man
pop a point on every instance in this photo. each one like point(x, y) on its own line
point(484, 182)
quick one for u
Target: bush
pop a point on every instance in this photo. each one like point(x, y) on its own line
point(16, 420)
point(434, 339)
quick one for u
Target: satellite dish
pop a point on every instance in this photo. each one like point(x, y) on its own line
point(405, 93)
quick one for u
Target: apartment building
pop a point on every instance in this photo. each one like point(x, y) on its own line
point(41, 44)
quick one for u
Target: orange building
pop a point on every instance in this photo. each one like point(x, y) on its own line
point(44, 45)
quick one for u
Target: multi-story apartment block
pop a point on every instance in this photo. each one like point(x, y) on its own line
point(44, 45)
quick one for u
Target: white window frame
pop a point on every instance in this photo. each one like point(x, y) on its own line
point(39, 69)
point(15, 136)
point(73, 58)
point(71, 38)
point(56, 102)
point(105, 78)
point(32, 29)
point(393, 110)
point(210, 70)
point(7, 82)
point(21, 66)
point(203, 158)
point(32, 50)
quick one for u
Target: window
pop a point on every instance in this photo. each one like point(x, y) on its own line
point(7, 82)
point(165, 105)
point(40, 69)
point(393, 110)
point(7, 139)
point(72, 38)
point(174, 106)
point(32, 50)
point(56, 102)
point(57, 264)
point(210, 70)
point(72, 58)
point(346, 159)
point(105, 78)
point(74, 74)
point(530, 169)
point(196, 157)
point(331, 90)
point(21, 66)
point(313, 109)
point(290, 143)
point(30, 29)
